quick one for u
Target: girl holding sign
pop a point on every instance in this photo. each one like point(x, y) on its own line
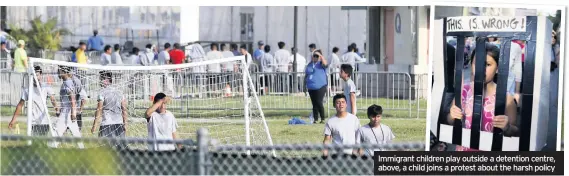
point(505, 122)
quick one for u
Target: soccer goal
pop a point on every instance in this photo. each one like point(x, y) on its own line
point(223, 102)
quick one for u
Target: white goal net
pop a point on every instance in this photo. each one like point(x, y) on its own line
point(221, 101)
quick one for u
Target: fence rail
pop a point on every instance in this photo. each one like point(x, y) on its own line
point(196, 157)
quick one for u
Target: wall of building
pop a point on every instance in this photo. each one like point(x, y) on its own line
point(327, 27)
point(81, 21)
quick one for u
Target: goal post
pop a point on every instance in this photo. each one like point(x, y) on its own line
point(223, 102)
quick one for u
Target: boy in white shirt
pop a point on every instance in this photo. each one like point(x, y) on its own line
point(40, 125)
point(342, 127)
point(214, 70)
point(161, 124)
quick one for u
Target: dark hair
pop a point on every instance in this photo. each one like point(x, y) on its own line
point(176, 45)
point(233, 46)
point(350, 48)
point(312, 45)
point(267, 48)
point(213, 45)
point(117, 47)
point(159, 96)
point(148, 46)
point(72, 49)
point(167, 45)
point(316, 51)
point(491, 50)
point(135, 50)
point(64, 69)
point(293, 50)
point(335, 49)
point(106, 75)
point(347, 68)
point(2, 43)
point(107, 47)
point(338, 96)
point(243, 47)
point(222, 46)
point(281, 45)
point(37, 68)
point(82, 43)
point(374, 110)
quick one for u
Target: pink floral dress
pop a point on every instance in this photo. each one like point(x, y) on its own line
point(467, 95)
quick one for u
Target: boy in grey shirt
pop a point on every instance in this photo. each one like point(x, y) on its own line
point(349, 88)
point(374, 132)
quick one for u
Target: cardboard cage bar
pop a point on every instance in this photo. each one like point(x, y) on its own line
point(533, 114)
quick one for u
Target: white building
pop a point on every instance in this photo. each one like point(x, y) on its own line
point(395, 39)
point(81, 21)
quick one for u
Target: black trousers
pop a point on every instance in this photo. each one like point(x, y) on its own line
point(316, 97)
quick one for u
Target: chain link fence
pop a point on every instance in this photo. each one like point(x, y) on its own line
point(23, 155)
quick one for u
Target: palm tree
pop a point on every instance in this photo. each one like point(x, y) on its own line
point(41, 36)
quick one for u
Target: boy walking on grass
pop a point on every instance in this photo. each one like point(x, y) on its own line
point(374, 132)
point(349, 88)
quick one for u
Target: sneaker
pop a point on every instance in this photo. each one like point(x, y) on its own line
point(322, 122)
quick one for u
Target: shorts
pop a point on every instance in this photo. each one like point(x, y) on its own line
point(40, 130)
point(113, 130)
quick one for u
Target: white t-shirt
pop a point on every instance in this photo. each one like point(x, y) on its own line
point(228, 66)
point(116, 58)
point(147, 58)
point(282, 57)
point(300, 62)
point(378, 135)
point(213, 55)
point(334, 64)
point(349, 87)
point(351, 58)
point(249, 60)
point(163, 57)
point(72, 85)
point(105, 59)
point(161, 126)
point(112, 105)
point(342, 130)
point(39, 115)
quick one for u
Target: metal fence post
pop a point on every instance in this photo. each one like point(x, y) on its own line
point(202, 150)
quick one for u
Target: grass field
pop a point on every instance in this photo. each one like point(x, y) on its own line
point(229, 127)
point(274, 107)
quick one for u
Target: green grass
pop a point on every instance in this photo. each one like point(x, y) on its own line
point(274, 107)
point(406, 130)
point(405, 126)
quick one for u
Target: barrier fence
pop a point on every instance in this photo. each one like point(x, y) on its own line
point(197, 156)
point(400, 94)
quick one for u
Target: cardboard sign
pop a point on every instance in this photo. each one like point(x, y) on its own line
point(486, 24)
